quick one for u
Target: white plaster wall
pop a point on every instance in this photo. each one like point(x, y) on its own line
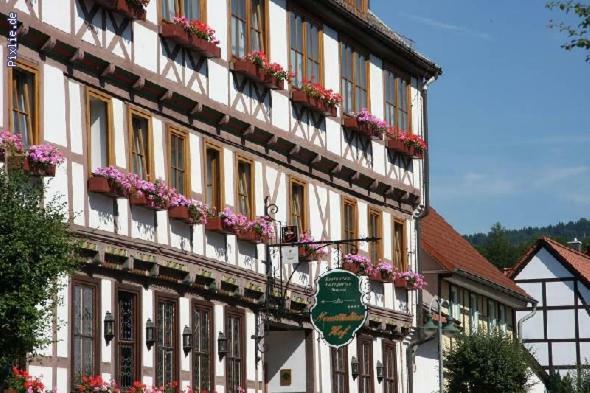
point(331, 59)
point(123, 219)
point(219, 81)
point(77, 117)
point(78, 200)
point(145, 48)
point(106, 304)
point(180, 234)
point(184, 319)
point(152, 12)
point(533, 289)
point(288, 352)
point(143, 224)
point(584, 324)
point(250, 329)
point(318, 210)
point(44, 373)
point(279, 52)
point(57, 187)
point(333, 136)
point(54, 111)
point(561, 324)
point(281, 110)
point(219, 316)
point(217, 18)
point(61, 383)
point(196, 171)
point(532, 328)
point(62, 314)
point(100, 212)
point(540, 351)
point(560, 293)
point(363, 224)
point(426, 367)
point(147, 304)
point(564, 354)
point(22, 6)
point(379, 157)
point(542, 265)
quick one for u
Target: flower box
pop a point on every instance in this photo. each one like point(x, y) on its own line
point(139, 199)
point(351, 267)
point(400, 283)
point(215, 224)
point(177, 33)
point(102, 185)
point(14, 162)
point(249, 235)
point(255, 73)
point(37, 169)
point(380, 275)
point(352, 123)
point(305, 255)
point(124, 7)
point(314, 104)
point(401, 147)
point(180, 213)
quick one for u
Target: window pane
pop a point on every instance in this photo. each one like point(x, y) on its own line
point(192, 9)
point(244, 188)
point(213, 179)
point(98, 134)
point(169, 9)
point(24, 111)
point(83, 331)
point(140, 146)
point(257, 25)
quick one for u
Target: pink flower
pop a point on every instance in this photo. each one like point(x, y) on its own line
point(415, 280)
point(362, 262)
point(45, 154)
point(10, 142)
point(315, 250)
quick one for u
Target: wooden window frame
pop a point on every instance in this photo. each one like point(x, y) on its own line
point(404, 250)
point(33, 68)
point(94, 283)
point(398, 75)
point(252, 200)
point(350, 202)
point(364, 7)
point(183, 134)
point(360, 341)
point(355, 53)
point(180, 5)
point(208, 307)
point(168, 298)
point(305, 216)
point(136, 291)
point(265, 29)
point(92, 93)
point(374, 211)
point(307, 19)
point(334, 373)
point(236, 313)
point(389, 345)
point(133, 111)
point(208, 145)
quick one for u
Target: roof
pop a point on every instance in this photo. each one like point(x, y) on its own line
point(455, 254)
point(577, 262)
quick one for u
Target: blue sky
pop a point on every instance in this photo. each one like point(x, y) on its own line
point(510, 116)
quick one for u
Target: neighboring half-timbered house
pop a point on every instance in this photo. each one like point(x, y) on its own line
point(558, 277)
point(112, 85)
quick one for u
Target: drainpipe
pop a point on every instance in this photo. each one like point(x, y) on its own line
point(420, 340)
point(523, 320)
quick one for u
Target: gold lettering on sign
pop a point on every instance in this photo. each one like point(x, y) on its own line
point(338, 331)
point(324, 317)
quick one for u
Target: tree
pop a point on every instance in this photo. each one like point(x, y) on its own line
point(484, 363)
point(497, 248)
point(36, 248)
point(579, 35)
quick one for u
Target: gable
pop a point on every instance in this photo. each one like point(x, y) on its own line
point(542, 265)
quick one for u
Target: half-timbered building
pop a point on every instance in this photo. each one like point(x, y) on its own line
point(112, 83)
point(558, 331)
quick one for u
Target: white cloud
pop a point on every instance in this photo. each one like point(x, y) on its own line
point(448, 26)
point(557, 175)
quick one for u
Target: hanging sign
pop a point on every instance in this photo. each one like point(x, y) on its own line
point(339, 310)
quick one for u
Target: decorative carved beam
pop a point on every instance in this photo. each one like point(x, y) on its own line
point(316, 160)
point(48, 45)
point(356, 176)
point(77, 56)
point(249, 130)
point(336, 170)
point(22, 30)
point(198, 108)
point(224, 120)
point(108, 70)
point(273, 140)
point(374, 185)
point(399, 194)
point(294, 150)
point(166, 96)
point(139, 83)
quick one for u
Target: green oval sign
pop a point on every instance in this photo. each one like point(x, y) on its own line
point(339, 309)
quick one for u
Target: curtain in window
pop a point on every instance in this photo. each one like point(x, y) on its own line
point(140, 147)
point(398, 239)
point(192, 9)
point(23, 103)
point(257, 25)
point(297, 48)
point(83, 332)
point(402, 95)
point(297, 206)
point(177, 162)
point(99, 143)
point(313, 53)
point(361, 82)
point(213, 198)
point(347, 78)
point(169, 9)
point(244, 182)
point(238, 28)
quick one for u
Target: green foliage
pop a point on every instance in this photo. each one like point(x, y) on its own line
point(579, 35)
point(570, 383)
point(487, 364)
point(503, 247)
point(35, 250)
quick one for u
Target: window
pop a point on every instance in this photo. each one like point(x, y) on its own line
point(298, 205)
point(359, 5)
point(245, 188)
point(354, 85)
point(397, 99)
point(166, 340)
point(247, 26)
point(492, 315)
point(399, 246)
point(213, 177)
point(128, 338)
point(140, 141)
point(99, 112)
point(234, 361)
point(85, 329)
point(389, 367)
point(202, 348)
point(179, 155)
point(340, 370)
point(474, 312)
point(502, 318)
point(455, 311)
point(24, 103)
point(192, 9)
point(349, 222)
point(305, 49)
point(374, 230)
point(365, 358)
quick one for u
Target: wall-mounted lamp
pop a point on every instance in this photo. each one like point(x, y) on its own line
point(187, 339)
point(109, 327)
point(221, 345)
point(149, 334)
point(354, 367)
point(379, 369)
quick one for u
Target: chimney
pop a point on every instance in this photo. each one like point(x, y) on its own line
point(575, 244)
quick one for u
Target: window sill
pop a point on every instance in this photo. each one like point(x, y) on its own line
point(314, 104)
point(124, 8)
point(179, 35)
point(255, 74)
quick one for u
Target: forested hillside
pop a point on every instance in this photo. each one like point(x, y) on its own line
point(504, 246)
